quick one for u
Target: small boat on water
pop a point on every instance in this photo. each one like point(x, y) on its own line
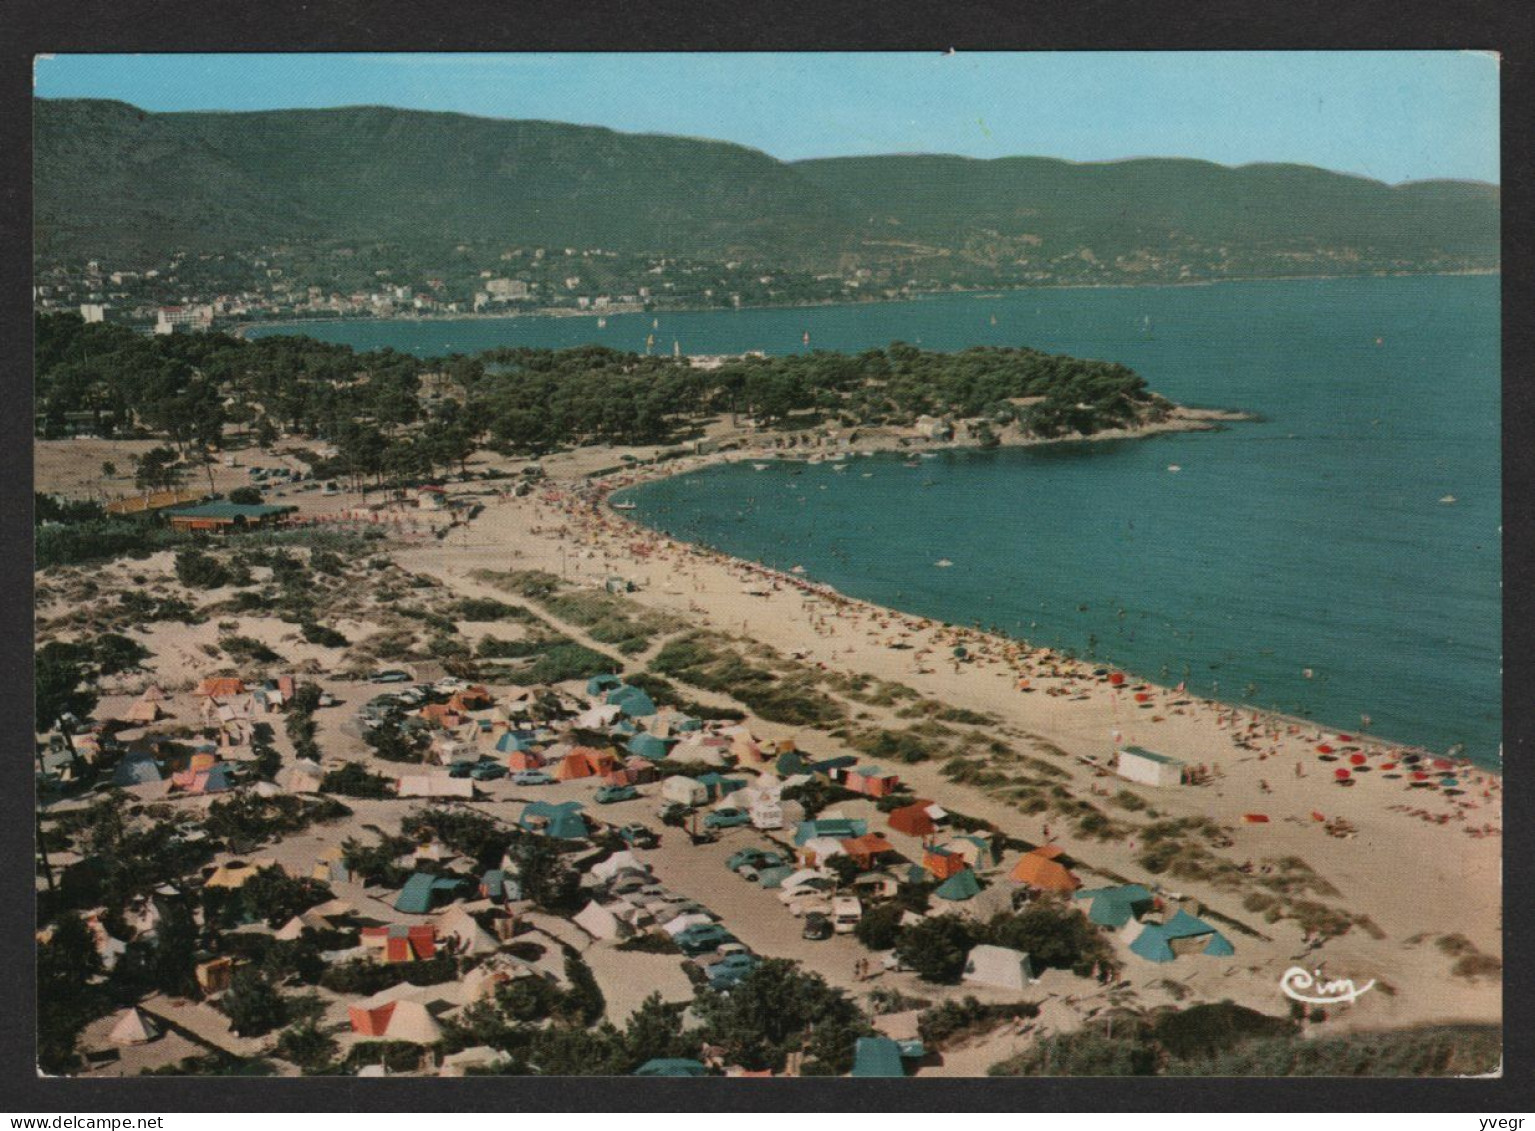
point(1448, 499)
point(624, 506)
point(929, 455)
point(602, 323)
point(943, 563)
point(868, 475)
point(1174, 467)
point(912, 463)
point(760, 466)
point(839, 467)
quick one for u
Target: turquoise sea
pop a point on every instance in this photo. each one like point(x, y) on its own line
point(1304, 561)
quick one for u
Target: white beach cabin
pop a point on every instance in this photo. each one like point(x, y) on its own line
point(1141, 765)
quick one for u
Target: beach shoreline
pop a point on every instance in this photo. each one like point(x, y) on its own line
point(1250, 762)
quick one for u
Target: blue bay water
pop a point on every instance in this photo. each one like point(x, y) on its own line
point(1313, 538)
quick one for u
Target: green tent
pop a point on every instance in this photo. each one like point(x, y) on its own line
point(671, 1066)
point(877, 1057)
point(959, 887)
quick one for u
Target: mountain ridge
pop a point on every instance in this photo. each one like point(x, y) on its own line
point(116, 181)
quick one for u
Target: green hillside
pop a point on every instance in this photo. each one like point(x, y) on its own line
point(116, 182)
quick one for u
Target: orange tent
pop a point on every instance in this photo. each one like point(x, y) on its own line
point(371, 1022)
point(524, 760)
point(868, 849)
point(440, 713)
point(1040, 870)
point(584, 762)
point(913, 819)
point(221, 687)
point(943, 864)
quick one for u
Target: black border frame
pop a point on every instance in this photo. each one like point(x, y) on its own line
point(549, 25)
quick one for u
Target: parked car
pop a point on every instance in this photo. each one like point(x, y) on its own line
point(727, 819)
point(702, 938)
point(818, 927)
point(638, 836)
point(845, 912)
point(488, 771)
point(531, 777)
point(461, 770)
point(732, 969)
point(608, 794)
point(754, 858)
point(391, 675)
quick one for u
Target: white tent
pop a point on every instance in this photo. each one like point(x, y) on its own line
point(684, 790)
point(998, 966)
point(819, 849)
point(302, 776)
point(134, 1027)
point(434, 785)
point(597, 718)
point(457, 923)
point(597, 921)
point(683, 922)
point(607, 869)
point(408, 1021)
point(480, 1056)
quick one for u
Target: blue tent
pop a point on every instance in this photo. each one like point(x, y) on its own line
point(718, 785)
point(562, 821)
point(136, 769)
point(632, 701)
point(1154, 943)
point(423, 891)
point(877, 1057)
point(1116, 906)
point(790, 763)
point(959, 887)
point(648, 746)
point(838, 828)
point(600, 683)
point(511, 741)
point(671, 1066)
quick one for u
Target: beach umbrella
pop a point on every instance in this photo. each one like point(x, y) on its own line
point(1443, 764)
point(1419, 775)
point(1357, 759)
point(1340, 774)
point(1388, 765)
point(1345, 738)
point(1117, 678)
point(1450, 783)
point(1142, 697)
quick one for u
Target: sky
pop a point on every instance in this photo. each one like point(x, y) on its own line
point(1393, 116)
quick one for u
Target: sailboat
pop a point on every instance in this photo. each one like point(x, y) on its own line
point(1146, 331)
point(759, 467)
point(650, 342)
point(655, 323)
point(993, 319)
point(806, 338)
point(602, 323)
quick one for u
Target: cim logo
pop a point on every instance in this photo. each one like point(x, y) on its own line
point(1299, 984)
